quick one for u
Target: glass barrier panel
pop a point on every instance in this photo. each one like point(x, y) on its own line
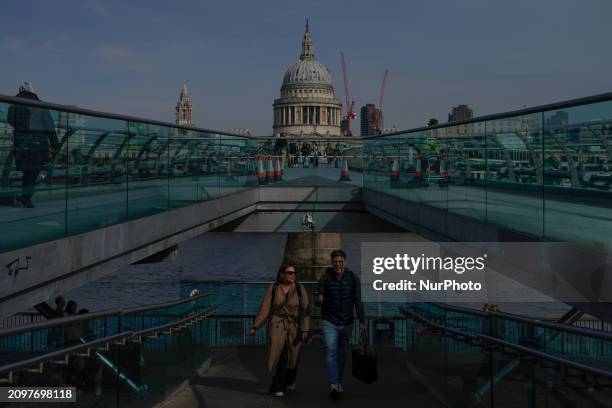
point(578, 172)
point(514, 172)
point(97, 186)
point(465, 156)
point(147, 166)
point(428, 356)
point(194, 167)
point(158, 366)
point(468, 370)
point(236, 167)
point(33, 151)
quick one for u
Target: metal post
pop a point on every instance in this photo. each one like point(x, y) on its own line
point(32, 333)
point(245, 298)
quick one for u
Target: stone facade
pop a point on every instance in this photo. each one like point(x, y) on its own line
point(307, 105)
point(183, 108)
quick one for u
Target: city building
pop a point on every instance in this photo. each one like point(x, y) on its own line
point(184, 108)
point(368, 120)
point(392, 129)
point(460, 113)
point(559, 118)
point(240, 131)
point(307, 103)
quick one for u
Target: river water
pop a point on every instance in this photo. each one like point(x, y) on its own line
point(231, 257)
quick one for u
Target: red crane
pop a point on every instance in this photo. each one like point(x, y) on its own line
point(378, 112)
point(345, 124)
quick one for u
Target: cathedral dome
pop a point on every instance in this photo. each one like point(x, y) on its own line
point(307, 72)
point(307, 103)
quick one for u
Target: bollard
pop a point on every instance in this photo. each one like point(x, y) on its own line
point(395, 176)
point(344, 174)
point(418, 175)
point(278, 174)
point(270, 173)
point(468, 178)
point(228, 171)
point(443, 167)
point(261, 174)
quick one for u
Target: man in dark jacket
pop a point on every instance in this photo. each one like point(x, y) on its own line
point(339, 292)
point(33, 129)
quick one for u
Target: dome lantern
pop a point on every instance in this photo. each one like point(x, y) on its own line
point(307, 50)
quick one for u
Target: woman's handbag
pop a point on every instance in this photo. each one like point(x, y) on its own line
point(364, 362)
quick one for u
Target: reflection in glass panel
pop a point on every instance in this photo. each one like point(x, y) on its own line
point(465, 155)
point(578, 173)
point(194, 166)
point(97, 179)
point(434, 151)
point(147, 165)
point(515, 174)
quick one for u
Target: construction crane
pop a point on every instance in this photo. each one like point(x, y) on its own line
point(377, 114)
point(345, 124)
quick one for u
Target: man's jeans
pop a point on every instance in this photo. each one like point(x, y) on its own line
point(336, 347)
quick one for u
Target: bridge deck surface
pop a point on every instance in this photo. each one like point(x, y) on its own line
point(238, 378)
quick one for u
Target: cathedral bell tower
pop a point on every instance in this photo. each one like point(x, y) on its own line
point(183, 108)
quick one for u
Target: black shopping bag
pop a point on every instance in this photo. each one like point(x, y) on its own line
point(364, 362)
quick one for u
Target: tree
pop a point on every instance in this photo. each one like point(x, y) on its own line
point(432, 122)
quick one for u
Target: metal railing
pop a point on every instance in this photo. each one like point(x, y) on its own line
point(503, 115)
point(62, 321)
point(565, 328)
point(63, 356)
point(100, 114)
point(487, 341)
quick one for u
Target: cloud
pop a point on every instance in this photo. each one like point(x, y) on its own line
point(97, 8)
point(123, 58)
point(11, 43)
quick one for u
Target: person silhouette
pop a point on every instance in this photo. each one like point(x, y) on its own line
point(33, 131)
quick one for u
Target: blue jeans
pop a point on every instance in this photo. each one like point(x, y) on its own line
point(336, 347)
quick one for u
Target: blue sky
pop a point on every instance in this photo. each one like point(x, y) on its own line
point(130, 57)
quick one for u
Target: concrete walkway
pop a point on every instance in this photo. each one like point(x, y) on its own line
point(238, 378)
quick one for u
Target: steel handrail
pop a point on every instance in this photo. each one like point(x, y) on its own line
point(62, 352)
point(520, 112)
point(139, 309)
point(90, 344)
point(60, 321)
point(598, 334)
point(546, 356)
point(488, 340)
point(94, 315)
point(438, 326)
point(203, 313)
point(107, 115)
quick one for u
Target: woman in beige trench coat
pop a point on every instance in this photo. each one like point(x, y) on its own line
point(288, 317)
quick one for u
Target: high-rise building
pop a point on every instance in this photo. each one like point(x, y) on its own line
point(307, 103)
point(559, 118)
point(460, 113)
point(183, 108)
point(368, 120)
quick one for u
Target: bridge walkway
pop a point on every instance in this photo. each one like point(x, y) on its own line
point(238, 378)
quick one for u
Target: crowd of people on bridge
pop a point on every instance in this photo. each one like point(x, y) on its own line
point(309, 153)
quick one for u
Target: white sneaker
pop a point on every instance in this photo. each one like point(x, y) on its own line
point(340, 388)
point(333, 391)
point(279, 394)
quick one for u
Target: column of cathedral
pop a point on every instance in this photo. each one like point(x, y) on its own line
point(307, 115)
